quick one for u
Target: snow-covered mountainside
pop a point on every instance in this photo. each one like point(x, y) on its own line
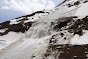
point(61, 33)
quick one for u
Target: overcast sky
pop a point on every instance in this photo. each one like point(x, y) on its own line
point(10, 9)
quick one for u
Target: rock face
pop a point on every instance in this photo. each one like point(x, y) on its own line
point(67, 52)
point(61, 33)
point(20, 27)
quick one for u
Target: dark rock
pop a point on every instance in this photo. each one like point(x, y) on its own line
point(85, 1)
point(69, 5)
point(77, 3)
point(4, 25)
point(79, 25)
point(59, 26)
point(79, 32)
point(65, 38)
point(37, 12)
point(62, 34)
point(67, 51)
point(15, 27)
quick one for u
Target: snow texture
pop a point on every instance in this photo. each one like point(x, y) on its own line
point(33, 43)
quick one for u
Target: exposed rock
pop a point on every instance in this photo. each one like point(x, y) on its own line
point(67, 51)
point(79, 25)
point(77, 3)
point(20, 27)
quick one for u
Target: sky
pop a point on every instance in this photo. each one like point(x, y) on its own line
point(10, 9)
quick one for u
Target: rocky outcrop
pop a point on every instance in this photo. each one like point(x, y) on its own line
point(21, 27)
point(66, 51)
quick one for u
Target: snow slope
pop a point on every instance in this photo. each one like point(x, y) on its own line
point(61, 25)
point(82, 11)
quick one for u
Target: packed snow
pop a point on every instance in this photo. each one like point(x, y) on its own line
point(83, 10)
point(9, 39)
point(80, 39)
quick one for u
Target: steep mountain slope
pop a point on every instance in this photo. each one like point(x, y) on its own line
point(60, 33)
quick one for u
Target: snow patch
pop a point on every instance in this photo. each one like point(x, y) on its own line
point(80, 39)
point(83, 10)
point(8, 39)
